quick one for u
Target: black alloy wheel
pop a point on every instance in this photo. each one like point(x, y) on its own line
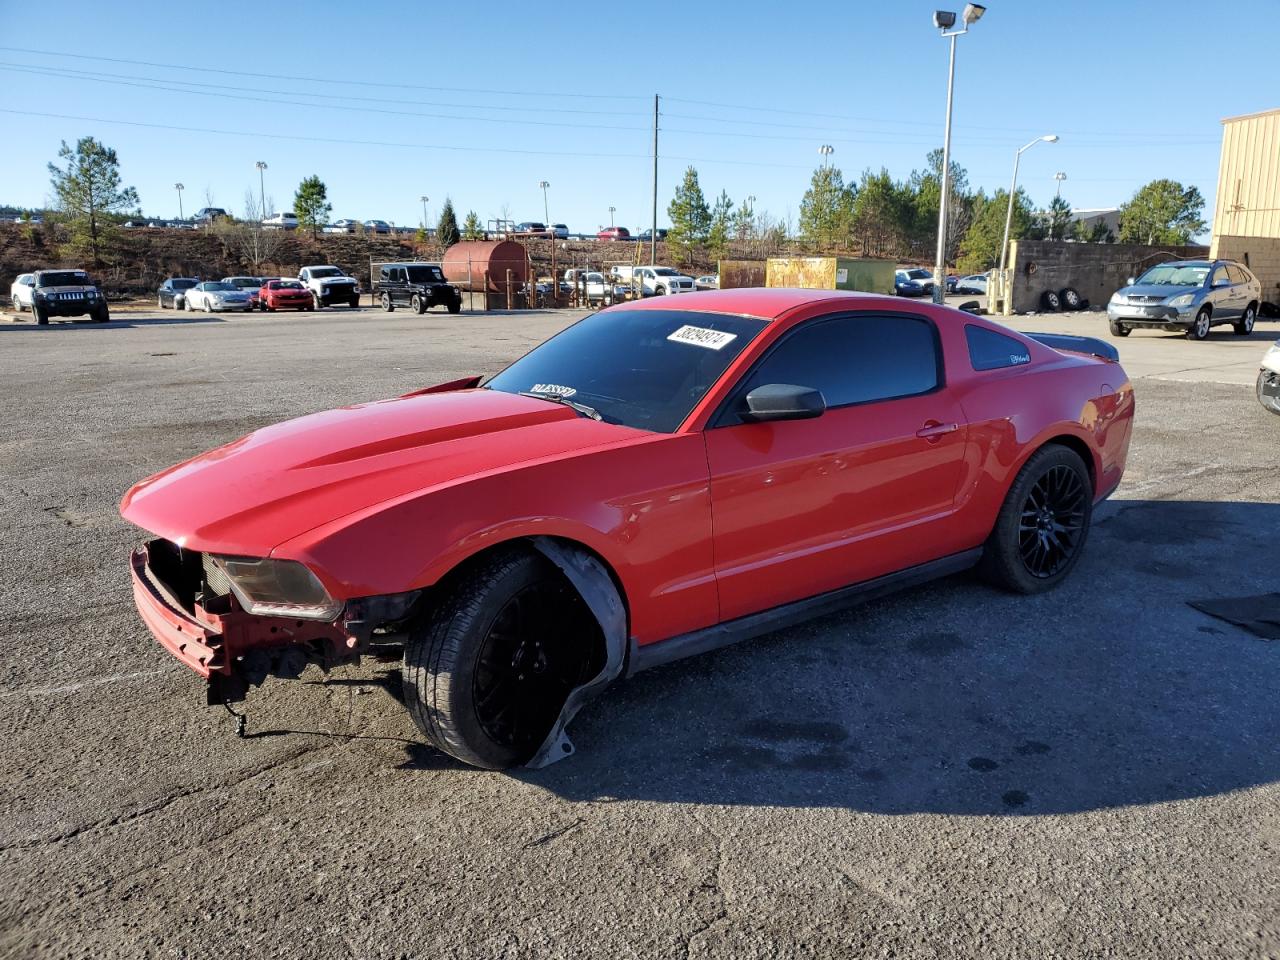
point(1053, 518)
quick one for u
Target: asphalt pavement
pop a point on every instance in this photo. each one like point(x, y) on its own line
point(949, 772)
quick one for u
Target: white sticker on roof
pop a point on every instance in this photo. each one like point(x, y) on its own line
point(702, 337)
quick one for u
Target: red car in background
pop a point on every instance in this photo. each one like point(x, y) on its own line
point(523, 541)
point(285, 295)
point(614, 233)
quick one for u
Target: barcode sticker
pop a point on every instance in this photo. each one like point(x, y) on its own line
point(702, 337)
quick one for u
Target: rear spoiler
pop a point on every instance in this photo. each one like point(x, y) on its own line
point(1066, 341)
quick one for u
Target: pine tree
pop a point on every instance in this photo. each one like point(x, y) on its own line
point(744, 221)
point(311, 204)
point(471, 228)
point(721, 218)
point(826, 212)
point(690, 217)
point(447, 229)
point(89, 193)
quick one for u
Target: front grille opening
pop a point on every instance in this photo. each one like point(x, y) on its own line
point(187, 576)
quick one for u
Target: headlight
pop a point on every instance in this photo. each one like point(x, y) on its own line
point(1182, 301)
point(277, 588)
point(1117, 297)
point(91, 294)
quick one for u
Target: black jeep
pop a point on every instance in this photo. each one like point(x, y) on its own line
point(419, 286)
point(67, 293)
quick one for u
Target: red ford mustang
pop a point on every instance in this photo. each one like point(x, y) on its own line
point(652, 482)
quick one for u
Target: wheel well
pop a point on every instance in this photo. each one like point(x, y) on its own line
point(1080, 447)
point(1206, 308)
point(526, 544)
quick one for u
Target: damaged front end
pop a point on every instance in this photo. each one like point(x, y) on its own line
point(238, 620)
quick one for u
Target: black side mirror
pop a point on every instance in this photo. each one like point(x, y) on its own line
point(783, 401)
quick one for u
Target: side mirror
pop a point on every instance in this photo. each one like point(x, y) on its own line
point(783, 401)
point(1130, 282)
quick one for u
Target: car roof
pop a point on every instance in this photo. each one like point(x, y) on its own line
point(762, 303)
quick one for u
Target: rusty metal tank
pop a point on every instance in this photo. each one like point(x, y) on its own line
point(471, 263)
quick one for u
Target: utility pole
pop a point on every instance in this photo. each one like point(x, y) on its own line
point(179, 187)
point(611, 212)
point(546, 216)
point(653, 230)
point(262, 189)
point(424, 198)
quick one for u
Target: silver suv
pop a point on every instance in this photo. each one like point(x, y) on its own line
point(1191, 296)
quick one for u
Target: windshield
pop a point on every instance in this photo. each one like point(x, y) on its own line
point(183, 284)
point(1176, 275)
point(326, 272)
point(63, 278)
point(284, 285)
point(243, 281)
point(425, 275)
point(221, 287)
point(919, 274)
point(640, 368)
point(665, 272)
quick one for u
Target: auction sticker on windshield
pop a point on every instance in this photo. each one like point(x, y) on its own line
point(702, 337)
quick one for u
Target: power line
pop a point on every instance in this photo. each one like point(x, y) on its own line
point(347, 141)
point(329, 97)
point(41, 71)
point(306, 79)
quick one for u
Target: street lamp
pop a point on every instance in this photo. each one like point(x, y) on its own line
point(1059, 177)
point(262, 188)
point(545, 216)
point(179, 187)
point(826, 150)
point(1013, 189)
point(424, 198)
point(944, 20)
point(612, 210)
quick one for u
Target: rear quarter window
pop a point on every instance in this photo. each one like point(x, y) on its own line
point(989, 350)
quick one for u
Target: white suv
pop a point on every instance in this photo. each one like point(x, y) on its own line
point(657, 281)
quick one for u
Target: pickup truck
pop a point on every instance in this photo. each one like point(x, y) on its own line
point(658, 281)
point(330, 285)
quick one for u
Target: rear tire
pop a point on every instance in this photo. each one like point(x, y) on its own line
point(159, 303)
point(387, 303)
point(1042, 527)
point(1119, 329)
point(488, 669)
point(1244, 326)
point(1199, 329)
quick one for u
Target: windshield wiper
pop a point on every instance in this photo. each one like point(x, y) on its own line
point(582, 408)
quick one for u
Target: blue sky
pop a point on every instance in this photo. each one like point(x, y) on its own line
point(392, 101)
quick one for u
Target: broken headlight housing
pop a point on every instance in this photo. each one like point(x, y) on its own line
point(277, 588)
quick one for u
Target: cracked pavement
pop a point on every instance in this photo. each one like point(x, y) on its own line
point(949, 772)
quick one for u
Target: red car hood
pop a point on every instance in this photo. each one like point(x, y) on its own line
point(251, 495)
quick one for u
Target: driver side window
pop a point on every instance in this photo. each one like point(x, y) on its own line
point(861, 358)
point(1220, 276)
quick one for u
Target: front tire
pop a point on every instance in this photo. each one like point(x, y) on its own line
point(42, 316)
point(417, 305)
point(1244, 326)
point(488, 669)
point(1199, 329)
point(1041, 529)
point(1119, 329)
point(455, 306)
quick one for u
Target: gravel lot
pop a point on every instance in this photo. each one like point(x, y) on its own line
point(949, 772)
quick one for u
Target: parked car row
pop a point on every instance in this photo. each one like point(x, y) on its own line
point(321, 286)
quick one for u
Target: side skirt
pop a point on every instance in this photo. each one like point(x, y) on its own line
point(789, 614)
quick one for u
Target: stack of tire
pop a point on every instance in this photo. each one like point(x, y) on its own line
point(1068, 298)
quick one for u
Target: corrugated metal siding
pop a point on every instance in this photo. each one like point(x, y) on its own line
point(1248, 203)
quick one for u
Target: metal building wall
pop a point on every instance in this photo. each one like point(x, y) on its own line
point(1248, 203)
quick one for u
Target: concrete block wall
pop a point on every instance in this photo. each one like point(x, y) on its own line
point(1095, 270)
point(1260, 254)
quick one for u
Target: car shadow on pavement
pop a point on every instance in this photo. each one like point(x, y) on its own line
point(959, 699)
point(124, 321)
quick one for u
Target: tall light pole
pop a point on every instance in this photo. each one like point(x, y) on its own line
point(944, 20)
point(1013, 190)
point(1059, 177)
point(424, 198)
point(826, 150)
point(612, 210)
point(179, 187)
point(545, 216)
point(262, 188)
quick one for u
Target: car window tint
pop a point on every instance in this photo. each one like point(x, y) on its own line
point(989, 350)
point(856, 359)
point(1236, 274)
point(1220, 274)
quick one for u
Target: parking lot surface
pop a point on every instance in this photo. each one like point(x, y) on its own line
point(948, 772)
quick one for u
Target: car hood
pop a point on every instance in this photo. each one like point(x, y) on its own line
point(1157, 290)
point(252, 494)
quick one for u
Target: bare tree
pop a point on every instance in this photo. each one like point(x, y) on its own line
point(247, 239)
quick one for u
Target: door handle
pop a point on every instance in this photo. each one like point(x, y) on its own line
point(933, 431)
